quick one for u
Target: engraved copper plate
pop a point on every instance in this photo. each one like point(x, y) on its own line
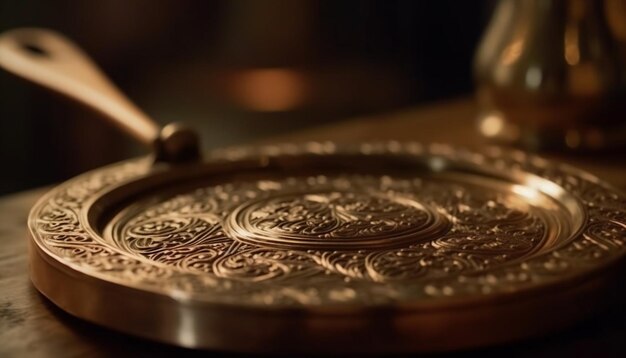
point(374, 246)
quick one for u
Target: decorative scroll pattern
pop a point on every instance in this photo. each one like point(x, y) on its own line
point(330, 226)
point(333, 215)
point(320, 213)
point(338, 238)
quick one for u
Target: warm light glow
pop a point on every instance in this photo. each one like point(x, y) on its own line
point(491, 125)
point(534, 189)
point(512, 52)
point(572, 50)
point(185, 327)
point(437, 164)
point(534, 77)
point(270, 90)
point(531, 194)
point(539, 185)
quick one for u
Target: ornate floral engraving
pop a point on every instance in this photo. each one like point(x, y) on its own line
point(331, 219)
point(343, 238)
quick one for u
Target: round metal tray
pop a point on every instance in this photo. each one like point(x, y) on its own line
point(318, 247)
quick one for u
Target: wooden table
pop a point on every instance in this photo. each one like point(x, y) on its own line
point(30, 326)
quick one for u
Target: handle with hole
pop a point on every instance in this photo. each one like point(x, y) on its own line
point(50, 60)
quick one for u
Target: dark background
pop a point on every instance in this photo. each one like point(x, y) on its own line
point(235, 70)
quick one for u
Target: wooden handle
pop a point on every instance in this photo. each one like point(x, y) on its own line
point(49, 59)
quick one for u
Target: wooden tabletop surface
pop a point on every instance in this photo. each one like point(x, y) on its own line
point(31, 326)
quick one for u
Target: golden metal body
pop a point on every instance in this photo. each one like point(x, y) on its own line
point(378, 246)
point(321, 247)
point(550, 75)
point(48, 59)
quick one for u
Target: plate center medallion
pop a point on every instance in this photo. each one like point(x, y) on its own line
point(334, 220)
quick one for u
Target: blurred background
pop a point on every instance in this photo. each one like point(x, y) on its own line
point(235, 70)
point(243, 70)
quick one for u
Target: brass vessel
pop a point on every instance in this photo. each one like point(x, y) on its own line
point(550, 75)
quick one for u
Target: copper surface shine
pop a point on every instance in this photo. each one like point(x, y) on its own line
point(368, 237)
point(314, 247)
